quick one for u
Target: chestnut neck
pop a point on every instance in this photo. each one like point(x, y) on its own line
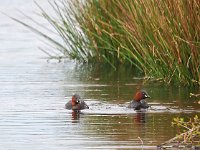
point(138, 96)
point(73, 101)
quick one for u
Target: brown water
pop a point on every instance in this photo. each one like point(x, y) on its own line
point(33, 93)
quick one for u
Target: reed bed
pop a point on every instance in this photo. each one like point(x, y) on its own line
point(160, 38)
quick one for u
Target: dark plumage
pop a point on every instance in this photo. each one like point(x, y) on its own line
point(138, 101)
point(76, 103)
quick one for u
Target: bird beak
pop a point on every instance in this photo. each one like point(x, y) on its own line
point(86, 106)
point(147, 96)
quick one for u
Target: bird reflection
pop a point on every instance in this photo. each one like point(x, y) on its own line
point(139, 117)
point(75, 116)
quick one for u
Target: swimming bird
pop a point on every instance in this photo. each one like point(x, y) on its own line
point(76, 103)
point(138, 101)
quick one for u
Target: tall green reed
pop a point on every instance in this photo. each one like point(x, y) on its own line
point(160, 38)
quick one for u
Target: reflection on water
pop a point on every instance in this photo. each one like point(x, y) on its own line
point(33, 91)
point(75, 116)
point(139, 118)
point(122, 131)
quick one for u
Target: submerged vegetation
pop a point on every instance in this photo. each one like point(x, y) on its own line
point(160, 38)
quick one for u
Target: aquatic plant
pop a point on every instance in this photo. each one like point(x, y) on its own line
point(188, 136)
point(160, 38)
point(191, 132)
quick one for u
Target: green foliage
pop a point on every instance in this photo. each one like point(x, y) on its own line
point(160, 38)
point(191, 129)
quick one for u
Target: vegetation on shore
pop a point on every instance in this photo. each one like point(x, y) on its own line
point(160, 38)
point(191, 129)
point(189, 135)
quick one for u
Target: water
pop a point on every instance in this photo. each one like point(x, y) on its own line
point(33, 93)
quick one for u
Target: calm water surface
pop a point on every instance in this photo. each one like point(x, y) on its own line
point(33, 93)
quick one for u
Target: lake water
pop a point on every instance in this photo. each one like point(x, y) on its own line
point(33, 92)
